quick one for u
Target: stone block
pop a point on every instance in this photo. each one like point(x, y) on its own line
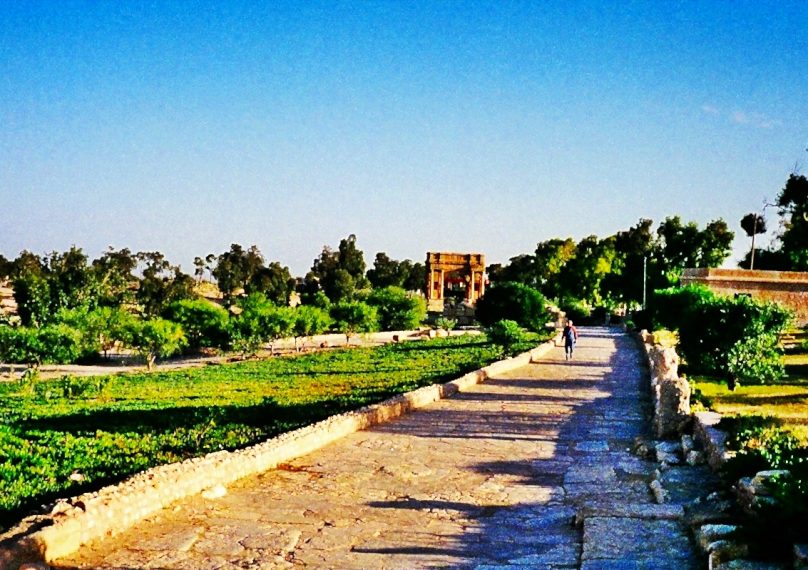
point(666, 363)
point(687, 444)
point(801, 557)
point(669, 452)
point(694, 458)
point(761, 479)
point(673, 407)
point(709, 533)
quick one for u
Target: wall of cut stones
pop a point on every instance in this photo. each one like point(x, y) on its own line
point(672, 420)
point(670, 393)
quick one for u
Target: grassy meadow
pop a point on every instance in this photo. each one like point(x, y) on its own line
point(786, 400)
point(64, 436)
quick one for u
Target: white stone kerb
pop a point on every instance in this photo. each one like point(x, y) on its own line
point(112, 509)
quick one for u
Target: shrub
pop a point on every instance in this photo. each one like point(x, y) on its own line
point(259, 321)
point(53, 344)
point(666, 338)
point(309, 321)
point(575, 310)
point(205, 324)
point(155, 338)
point(762, 444)
point(756, 360)
point(397, 309)
point(351, 317)
point(506, 334)
point(710, 327)
point(445, 324)
point(514, 302)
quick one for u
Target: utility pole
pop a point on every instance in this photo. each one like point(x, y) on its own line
point(644, 279)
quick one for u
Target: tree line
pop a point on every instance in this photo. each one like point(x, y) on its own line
point(73, 309)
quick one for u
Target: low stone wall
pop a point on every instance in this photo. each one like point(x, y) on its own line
point(76, 521)
point(670, 393)
point(712, 439)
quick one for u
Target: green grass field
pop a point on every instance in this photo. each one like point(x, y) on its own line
point(787, 400)
point(101, 429)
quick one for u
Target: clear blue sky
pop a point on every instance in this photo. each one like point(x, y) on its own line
point(442, 125)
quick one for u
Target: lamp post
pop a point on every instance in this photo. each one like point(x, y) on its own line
point(644, 279)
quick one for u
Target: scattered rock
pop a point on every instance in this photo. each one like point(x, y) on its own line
point(688, 444)
point(668, 452)
point(643, 448)
point(216, 492)
point(709, 533)
point(695, 458)
point(660, 494)
point(801, 557)
point(725, 550)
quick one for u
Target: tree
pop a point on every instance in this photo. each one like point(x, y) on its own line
point(753, 224)
point(101, 328)
point(515, 302)
point(275, 281)
point(416, 276)
point(550, 258)
point(234, 268)
point(113, 275)
point(386, 272)
point(205, 323)
point(161, 284)
point(71, 281)
point(33, 296)
point(155, 338)
point(6, 267)
point(793, 205)
point(633, 247)
point(339, 274)
point(352, 317)
point(581, 277)
point(257, 322)
point(521, 268)
point(199, 268)
point(716, 243)
point(309, 321)
point(396, 309)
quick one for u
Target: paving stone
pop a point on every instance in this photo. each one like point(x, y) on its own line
point(627, 539)
point(491, 478)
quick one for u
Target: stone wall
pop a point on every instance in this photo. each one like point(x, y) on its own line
point(789, 288)
point(670, 393)
point(76, 521)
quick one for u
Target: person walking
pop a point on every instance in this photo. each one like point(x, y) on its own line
point(570, 336)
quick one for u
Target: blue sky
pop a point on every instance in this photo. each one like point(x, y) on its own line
point(442, 125)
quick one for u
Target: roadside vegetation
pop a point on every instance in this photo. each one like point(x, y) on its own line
point(734, 351)
point(59, 437)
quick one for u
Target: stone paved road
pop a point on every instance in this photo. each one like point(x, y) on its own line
point(491, 478)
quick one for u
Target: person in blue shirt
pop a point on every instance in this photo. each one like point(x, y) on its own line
point(570, 336)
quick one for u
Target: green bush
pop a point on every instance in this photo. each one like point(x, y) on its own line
point(205, 324)
point(309, 321)
point(514, 302)
point(352, 317)
point(52, 344)
point(756, 360)
point(155, 338)
point(445, 324)
point(506, 334)
point(577, 311)
point(710, 327)
point(397, 310)
point(259, 321)
point(761, 445)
